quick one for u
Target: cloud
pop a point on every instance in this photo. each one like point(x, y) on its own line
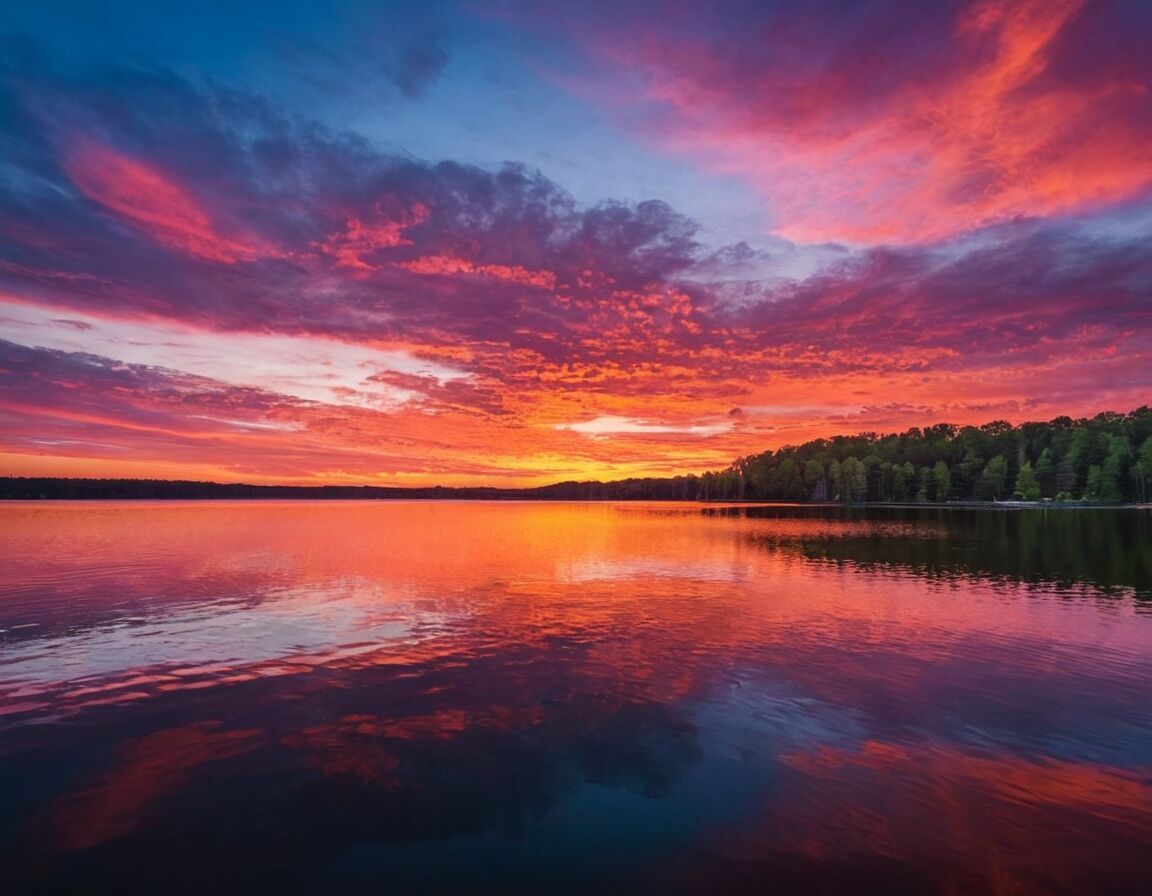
point(189, 275)
point(146, 198)
point(308, 368)
point(417, 65)
point(889, 121)
point(231, 215)
point(612, 425)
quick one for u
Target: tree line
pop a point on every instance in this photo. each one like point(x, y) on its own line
point(682, 488)
point(1103, 459)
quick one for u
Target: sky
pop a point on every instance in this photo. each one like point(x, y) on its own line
point(512, 243)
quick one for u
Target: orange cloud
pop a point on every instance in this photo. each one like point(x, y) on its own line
point(148, 768)
point(446, 265)
point(359, 238)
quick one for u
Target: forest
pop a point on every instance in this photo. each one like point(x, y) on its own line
point(1106, 459)
point(1102, 459)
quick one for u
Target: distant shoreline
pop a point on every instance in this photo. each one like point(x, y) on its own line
point(61, 489)
point(948, 505)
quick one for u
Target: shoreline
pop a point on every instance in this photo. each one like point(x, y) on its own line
point(724, 504)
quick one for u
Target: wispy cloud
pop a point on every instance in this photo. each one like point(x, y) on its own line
point(890, 121)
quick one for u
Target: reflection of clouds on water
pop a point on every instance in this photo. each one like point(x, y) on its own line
point(757, 715)
point(396, 755)
point(228, 641)
point(984, 702)
point(927, 805)
point(897, 818)
point(465, 693)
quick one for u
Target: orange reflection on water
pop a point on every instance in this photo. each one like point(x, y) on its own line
point(435, 669)
point(1023, 825)
point(145, 770)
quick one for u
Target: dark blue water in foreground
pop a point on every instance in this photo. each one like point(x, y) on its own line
point(441, 697)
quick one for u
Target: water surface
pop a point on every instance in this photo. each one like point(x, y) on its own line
point(426, 697)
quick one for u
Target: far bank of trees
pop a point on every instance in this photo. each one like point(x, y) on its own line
point(1107, 458)
point(679, 488)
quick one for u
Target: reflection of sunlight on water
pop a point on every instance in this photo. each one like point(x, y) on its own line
point(700, 568)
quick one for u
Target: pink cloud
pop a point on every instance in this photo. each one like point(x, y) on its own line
point(141, 194)
point(900, 122)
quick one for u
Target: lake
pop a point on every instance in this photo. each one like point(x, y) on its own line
point(446, 697)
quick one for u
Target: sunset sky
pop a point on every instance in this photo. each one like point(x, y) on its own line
point(512, 243)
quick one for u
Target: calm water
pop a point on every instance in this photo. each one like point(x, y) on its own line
point(411, 697)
